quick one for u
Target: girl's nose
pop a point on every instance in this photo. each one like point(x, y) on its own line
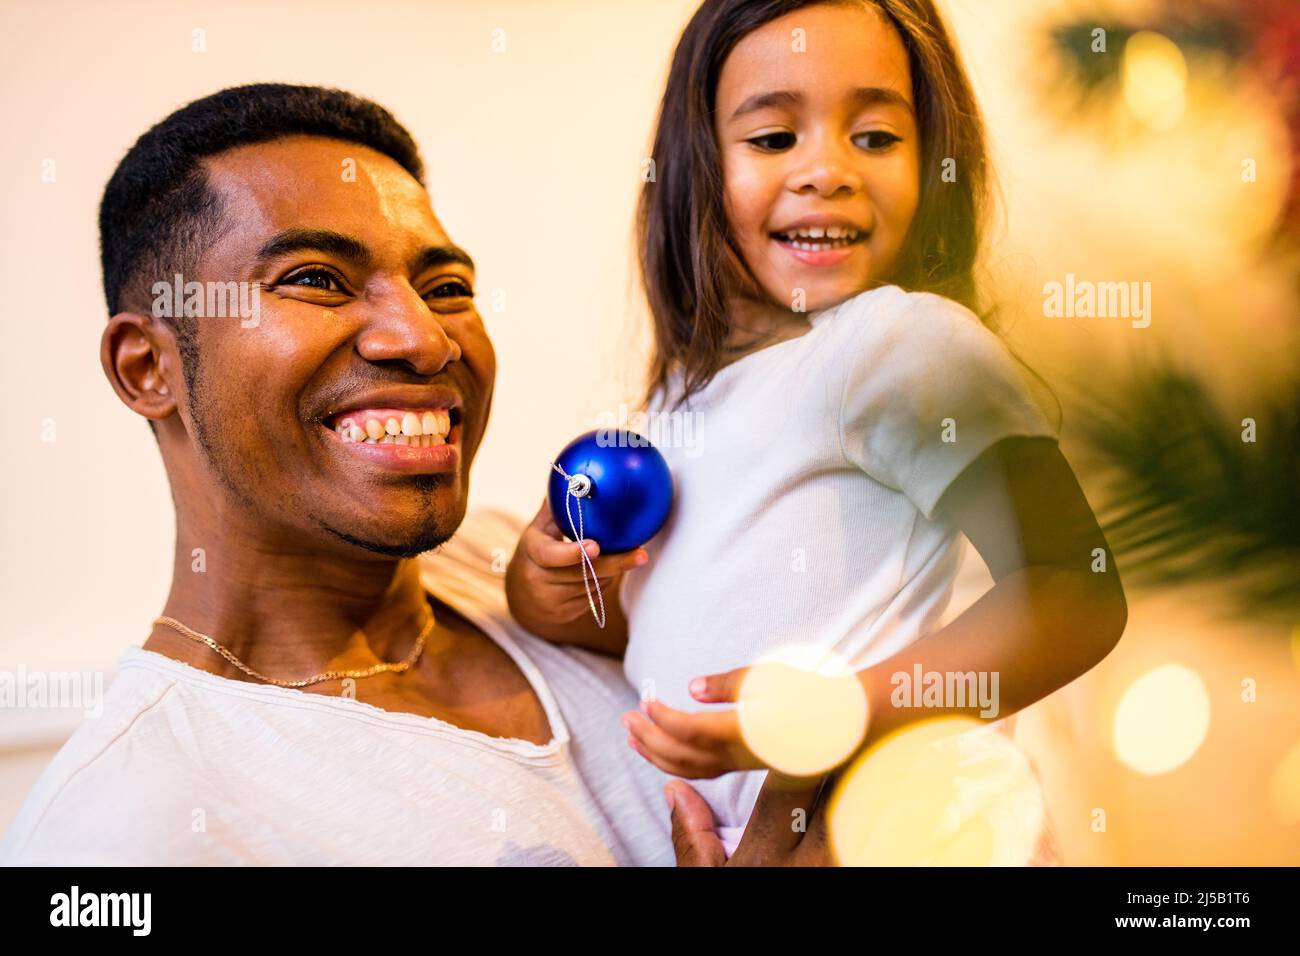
point(401, 327)
point(826, 169)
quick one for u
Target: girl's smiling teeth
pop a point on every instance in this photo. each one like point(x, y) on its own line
point(818, 238)
point(421, 428)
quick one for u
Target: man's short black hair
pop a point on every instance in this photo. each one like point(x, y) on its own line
point(159, 215)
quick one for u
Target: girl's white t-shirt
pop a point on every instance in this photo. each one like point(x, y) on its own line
point(806, 483)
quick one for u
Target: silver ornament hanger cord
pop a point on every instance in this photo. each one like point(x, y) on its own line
point(579, 486)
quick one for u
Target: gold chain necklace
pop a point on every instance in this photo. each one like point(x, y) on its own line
point(382, 668)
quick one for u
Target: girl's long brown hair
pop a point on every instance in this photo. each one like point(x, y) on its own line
point(690, 264)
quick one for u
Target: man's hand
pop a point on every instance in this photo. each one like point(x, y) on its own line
point(771, 837)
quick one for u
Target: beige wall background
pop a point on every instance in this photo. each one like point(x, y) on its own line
point(534, 118)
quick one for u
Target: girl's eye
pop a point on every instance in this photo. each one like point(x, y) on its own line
point(321, 279)
point(773, 142)
point(452, 289)
point(876, 140)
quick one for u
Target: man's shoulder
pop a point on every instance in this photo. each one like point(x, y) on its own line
point(471, 568)
point(112, 782)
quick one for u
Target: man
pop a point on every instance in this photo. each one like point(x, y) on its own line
point(315, 691)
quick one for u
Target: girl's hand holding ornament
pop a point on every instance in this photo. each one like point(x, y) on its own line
point(545, 590)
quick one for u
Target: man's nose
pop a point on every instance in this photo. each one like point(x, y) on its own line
point(826, 166)
point(401, 327)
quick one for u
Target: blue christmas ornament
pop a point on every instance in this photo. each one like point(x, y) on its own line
point(613, 487)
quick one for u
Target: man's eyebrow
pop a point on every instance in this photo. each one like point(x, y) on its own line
point(862, 96)
point(315, 240)
point(352, 250)
point(433, 256)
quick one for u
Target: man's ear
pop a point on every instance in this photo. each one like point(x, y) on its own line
point(141, 362)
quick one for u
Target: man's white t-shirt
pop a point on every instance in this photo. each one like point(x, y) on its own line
point(184, 767)
point(805, 508)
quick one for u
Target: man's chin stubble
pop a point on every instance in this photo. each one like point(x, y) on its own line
point(409, 548)
point(432, 536)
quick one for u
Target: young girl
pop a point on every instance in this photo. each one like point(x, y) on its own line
point(808, 248)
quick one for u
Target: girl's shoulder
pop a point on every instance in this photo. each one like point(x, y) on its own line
point(889, 331)
point(879, 329)
point(919, 365)
point(891, 312)
point(923, 349)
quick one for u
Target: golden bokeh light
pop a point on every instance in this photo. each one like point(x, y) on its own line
point(953, 791)
point(1284, 794)
point(1154, 79)
point(802, 710)
point(1161, 720)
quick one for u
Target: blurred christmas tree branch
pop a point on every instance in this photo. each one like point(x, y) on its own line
point(1187, 497)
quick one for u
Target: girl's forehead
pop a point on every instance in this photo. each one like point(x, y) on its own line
point(816, 49)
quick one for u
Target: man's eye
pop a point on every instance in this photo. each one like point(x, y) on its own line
point(773, 142)
point(321, 279)
point(876, 140)
point(452, 289)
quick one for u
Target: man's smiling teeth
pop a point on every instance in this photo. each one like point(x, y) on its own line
point(423, 429)
point(814, 238)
